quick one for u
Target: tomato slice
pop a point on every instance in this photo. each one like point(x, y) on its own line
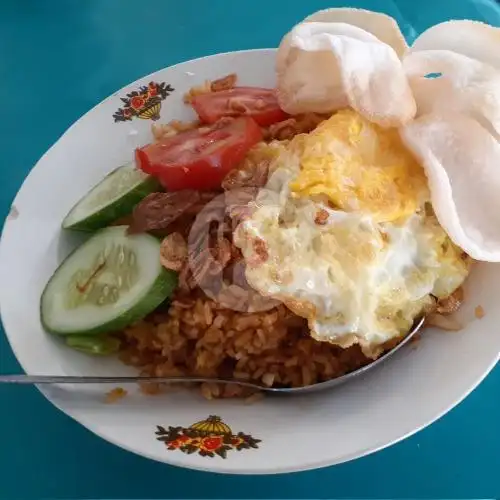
point(199, 159)
point(260, 104)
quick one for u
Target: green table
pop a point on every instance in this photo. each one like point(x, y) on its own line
point(58, 58)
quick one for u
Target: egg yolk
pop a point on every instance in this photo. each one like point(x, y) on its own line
point(359, 166)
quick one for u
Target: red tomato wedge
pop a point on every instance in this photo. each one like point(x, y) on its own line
point(260, 104)
point(199, 159)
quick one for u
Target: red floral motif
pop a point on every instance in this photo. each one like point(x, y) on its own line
point(152, 91)
point(137, 102)
point(208, 438)
point(211, 443)
point(236, 441)
point(144, 103)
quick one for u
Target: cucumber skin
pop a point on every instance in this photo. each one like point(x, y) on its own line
point(72, 341)
point(120, 208)
point(161, 290)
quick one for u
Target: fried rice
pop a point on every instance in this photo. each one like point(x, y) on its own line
point(195, 334)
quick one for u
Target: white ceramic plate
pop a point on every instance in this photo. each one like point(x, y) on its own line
point(282, 434)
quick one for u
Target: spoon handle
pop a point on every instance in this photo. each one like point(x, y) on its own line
point(64, 379)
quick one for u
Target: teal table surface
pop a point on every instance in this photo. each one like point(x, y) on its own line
point(58, 58)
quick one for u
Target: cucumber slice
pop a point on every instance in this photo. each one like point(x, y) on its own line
point(98, 345)
point(109, 282)
point(114, 197)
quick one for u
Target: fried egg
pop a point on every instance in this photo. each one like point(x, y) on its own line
point(351, 241)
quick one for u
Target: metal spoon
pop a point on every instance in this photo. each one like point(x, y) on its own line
point(48, 379)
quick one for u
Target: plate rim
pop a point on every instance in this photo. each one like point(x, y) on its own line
point(278, 470)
